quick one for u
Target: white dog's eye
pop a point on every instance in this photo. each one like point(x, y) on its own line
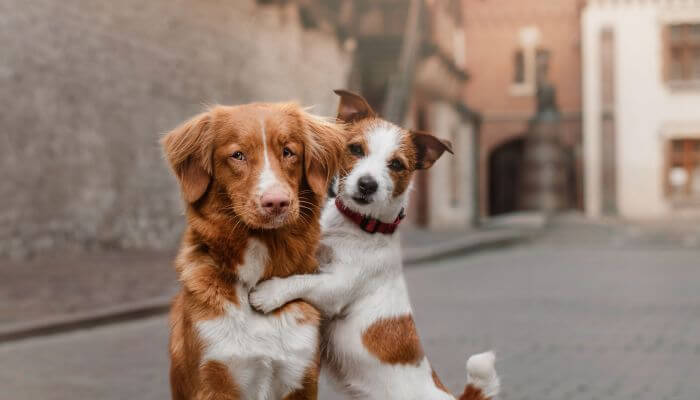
point(356, 150)
point(396, 165)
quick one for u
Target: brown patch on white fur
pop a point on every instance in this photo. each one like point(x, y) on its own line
point(406, 154)
point(309, 389)
point(304, 312)
point(223, 214)
point(218, 382)
point(394, 340)
point(472, 392)
point(438, 382)
point(355, 136)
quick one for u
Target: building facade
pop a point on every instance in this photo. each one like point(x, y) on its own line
point(90, 85)
point(512, 46)
point(641, 81)
point(409, 64)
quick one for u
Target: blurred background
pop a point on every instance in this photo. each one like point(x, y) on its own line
point(563, 232)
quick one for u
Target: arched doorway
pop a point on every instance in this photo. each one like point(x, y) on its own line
point(505, 169)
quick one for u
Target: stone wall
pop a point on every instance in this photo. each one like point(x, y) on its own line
point(88, 86)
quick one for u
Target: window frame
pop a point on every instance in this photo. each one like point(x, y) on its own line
point(688, 48)
point(528, 58)
point(687, 158)
point(519, 73)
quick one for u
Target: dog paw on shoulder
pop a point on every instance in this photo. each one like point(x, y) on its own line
point(264, 297)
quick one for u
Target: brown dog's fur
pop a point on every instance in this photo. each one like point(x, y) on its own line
point(223, 216)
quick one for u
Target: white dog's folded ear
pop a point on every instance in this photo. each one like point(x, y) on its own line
point(353, 107)
point(188, 149)
point(429, 148)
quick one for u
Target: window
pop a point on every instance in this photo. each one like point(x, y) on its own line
point(519, 68)
point(526, 60)
point(530, 67)
point(683, 175)
point(683, 52)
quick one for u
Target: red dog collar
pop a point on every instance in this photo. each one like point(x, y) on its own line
point(367, 224)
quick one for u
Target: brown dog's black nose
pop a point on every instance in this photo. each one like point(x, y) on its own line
point(367, 185)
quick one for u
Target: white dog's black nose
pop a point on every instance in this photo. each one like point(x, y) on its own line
point(367, 185)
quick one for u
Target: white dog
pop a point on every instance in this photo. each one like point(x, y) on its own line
point(371, 345)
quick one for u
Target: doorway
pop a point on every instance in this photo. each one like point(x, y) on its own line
point(505, 169)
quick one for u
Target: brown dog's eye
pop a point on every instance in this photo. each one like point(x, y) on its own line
point(356, 150)
point(238, 156)
point(396, 165)
point(287, 153)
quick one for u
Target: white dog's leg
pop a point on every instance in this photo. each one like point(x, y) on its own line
point(325, 291)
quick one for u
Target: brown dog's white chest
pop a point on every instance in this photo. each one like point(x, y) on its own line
point(265, 354)
point(254, 263)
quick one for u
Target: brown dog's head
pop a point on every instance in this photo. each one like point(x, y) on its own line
point(380, 159)
point(262, 164)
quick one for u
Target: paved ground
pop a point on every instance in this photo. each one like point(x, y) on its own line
point(66, 283)
point(588, 311)
point(55, 284)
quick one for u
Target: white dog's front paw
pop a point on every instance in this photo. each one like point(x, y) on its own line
point(267, 296)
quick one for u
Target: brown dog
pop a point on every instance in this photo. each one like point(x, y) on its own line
point(253, 177)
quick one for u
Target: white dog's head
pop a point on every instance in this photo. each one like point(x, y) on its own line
point(380, 159)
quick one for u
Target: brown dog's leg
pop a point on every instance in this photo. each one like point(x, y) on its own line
point(216, 383)
point(177, 389)
point(310, 389)
point(180, 379)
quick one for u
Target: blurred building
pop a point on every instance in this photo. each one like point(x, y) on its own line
point(409, 64)
point(641, 75)
point(510, 46)
point(88, 86)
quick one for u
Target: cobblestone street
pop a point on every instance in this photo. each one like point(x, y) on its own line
point(587, 311)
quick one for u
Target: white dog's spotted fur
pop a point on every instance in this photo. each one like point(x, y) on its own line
point(382, 142)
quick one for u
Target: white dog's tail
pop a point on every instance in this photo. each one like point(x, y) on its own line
point(482, 379)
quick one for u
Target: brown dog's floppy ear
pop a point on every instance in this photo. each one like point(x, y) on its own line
point(429, 148)
point(324, 145)
point(353, 107)
point(188, 148)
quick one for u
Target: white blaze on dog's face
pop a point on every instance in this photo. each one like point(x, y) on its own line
point(380, 159)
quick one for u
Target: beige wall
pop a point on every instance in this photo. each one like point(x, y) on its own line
point(647, 113)
point(451, 185)
point(88, 85)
